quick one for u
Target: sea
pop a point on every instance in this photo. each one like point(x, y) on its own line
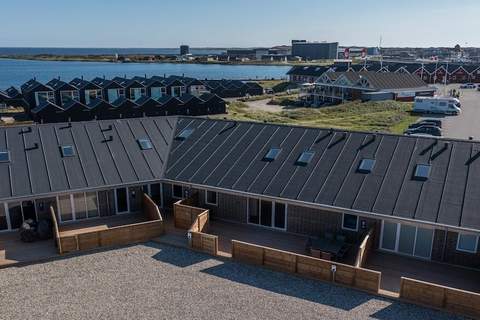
point(16, 72)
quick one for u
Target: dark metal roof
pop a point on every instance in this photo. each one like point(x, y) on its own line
point(229, 155)
point(107, 154)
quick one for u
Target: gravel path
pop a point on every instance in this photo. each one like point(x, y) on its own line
point(160, 282)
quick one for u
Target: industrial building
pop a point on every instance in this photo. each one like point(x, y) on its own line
point(314, 50)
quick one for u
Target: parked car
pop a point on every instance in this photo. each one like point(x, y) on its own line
point(432, 122)
point(425, 130)
point(269, 91)
point(468, 86)
point(440, 105)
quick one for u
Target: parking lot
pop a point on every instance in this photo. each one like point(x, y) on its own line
point(467, 124)
point(155, 281)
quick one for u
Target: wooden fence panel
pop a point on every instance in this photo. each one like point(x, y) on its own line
point(463, 302)
point(280, 261)
point(247, 253)
point(314, 268)
point(115, 237)
point(345, 275)
point(68, 244)
point(87, 241)
point(368, 280)
point(453, 300)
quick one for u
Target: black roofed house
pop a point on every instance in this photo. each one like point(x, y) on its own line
point(138, 108)
point(89, 91)
point(195, 87)
point(150, 107)
point(175, 87)
point(337, 87)
point(35, 93)
point(76, 111)
point(101, 109)
point(12, 98)
point(123, 107)
point(47, 112)
point(64, 92)
point(112, 90)
point(419, 195)
point(306, 74)
point(168, 106)
point(156, 88)
point(213, 104)
point(254, 89)
point(134, 90)
point(190, 105)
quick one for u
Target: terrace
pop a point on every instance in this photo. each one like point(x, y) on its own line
point(85, 235)
point(419, 281)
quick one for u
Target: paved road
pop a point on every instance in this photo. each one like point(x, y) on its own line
point(160, 282)
point(467, 124)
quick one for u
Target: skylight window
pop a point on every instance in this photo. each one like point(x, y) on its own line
point(422, 172)
point(271, 155)
point(145, 144)
point(305, 158)
point(366, 165)
point(185, 134)
point(67, 151)
point(4, 156)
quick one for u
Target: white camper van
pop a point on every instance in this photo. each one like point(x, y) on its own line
point(442, 105)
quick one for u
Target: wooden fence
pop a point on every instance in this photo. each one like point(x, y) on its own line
point(364, 249)
point(185, 213)
point(199, 239)
point(306, 266)
point(113, 236)
point(450, 299)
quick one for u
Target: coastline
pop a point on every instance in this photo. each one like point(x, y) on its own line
point(146, 59)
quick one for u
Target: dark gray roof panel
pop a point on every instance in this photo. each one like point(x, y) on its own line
point(471, 205)
point(36, 158)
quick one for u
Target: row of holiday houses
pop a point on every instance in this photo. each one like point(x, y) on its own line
point(120, 97)
point(428, 72)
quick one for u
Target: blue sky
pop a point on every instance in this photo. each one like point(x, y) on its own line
point(241, 23)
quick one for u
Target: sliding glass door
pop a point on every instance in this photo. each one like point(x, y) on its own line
point(267, 213)
point(407, 239)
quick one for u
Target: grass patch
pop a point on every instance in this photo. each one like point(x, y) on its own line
point(385, 116)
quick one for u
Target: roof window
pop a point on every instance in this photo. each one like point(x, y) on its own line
point(145, 144)
point(184, 134)
point(4, 156)
point(67, 151)
point(272, 154)
point(366, 165)
point(305, 158)
point(422, 172)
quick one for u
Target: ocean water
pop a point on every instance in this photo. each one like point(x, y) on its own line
point(106, 51)
point(17, 72)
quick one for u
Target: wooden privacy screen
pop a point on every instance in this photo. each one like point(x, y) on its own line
point(114, 236)
point(365, 248)
point(450, 299)
point(310, 267)
point(185, 215)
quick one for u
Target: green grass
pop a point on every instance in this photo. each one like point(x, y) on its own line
point(385, 116)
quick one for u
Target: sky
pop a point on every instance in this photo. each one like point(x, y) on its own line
point(240, 23)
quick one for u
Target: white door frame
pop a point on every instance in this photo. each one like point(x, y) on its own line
point(272, 222)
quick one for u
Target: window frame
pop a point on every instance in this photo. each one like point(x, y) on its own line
point(308, 153)
point(142, 141)
point(5, 152)
point(216, 198)
point(65, 155)
point(417, 177)
point(366, 161)
point(466, 250)
point(343, 222)
point(272, 154)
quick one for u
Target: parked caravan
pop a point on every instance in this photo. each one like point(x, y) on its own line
point(441, 105)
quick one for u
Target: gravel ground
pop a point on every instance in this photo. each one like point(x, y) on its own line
point(160, 282)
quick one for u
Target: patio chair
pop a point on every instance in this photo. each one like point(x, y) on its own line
point(326, 256)
point(343, 252)
point(315, 253)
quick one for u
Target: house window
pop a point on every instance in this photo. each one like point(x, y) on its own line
point(145, 144)
point(305, 158)
point(91, 95)
point(42, 96)
point(467, 243)
point(271, 155)
point(211, 198)
point(65, 208)
point(177, 191)
point(136, 93)
point(156, 92)
point(350, 222)
point(422, 172)
point(366, 166)
point(66, 96)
